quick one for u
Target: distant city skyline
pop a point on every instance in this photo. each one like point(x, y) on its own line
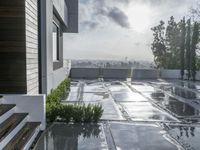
point(115, 29)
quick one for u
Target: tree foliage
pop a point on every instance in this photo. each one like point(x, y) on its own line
point(174, 47)
point(188, 45)
point(172, 42)
point(158, 46)
point(195, 38)
point(182, 47)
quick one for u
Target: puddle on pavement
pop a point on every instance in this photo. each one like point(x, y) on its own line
point(157, 94)
point(185, 84)
point(73, 137)
point(188, 136)
point(179, 108)
point(140, 137)
point(181, 92)
point(173, 105)
point(128, 97)
point(144, 111)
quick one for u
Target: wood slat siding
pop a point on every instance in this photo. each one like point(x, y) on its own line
point(32, 46)
point(18, 47)
point(12, 47)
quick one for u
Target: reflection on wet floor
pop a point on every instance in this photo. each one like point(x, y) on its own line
point(73, 137)
point(140, 137)
point(144, 111)
point(188, 136)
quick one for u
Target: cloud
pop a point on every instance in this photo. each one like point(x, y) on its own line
point(98, 12)
point(119, 17)
point(89, 25)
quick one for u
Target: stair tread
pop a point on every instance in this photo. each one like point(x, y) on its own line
point(5, 107)
point(22, 137)
point(11, 123)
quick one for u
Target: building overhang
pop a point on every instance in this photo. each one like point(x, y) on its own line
point(72, 7)
point(67, 13)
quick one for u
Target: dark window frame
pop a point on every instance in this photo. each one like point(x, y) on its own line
point(59, 63)
point(57, 42)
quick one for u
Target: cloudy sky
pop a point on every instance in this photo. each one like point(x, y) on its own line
point(115, 29)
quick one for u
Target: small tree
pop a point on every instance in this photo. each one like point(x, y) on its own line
point(182, 47)
point(195, 38)
point(158, 45)
point(172, 42)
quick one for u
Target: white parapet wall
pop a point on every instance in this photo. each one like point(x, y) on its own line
point(170, 74)
point(85, 73)
point(108, 73)
point(145, 74)
point(34, 105)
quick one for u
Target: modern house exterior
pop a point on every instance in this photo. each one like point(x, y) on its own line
point(31, 63)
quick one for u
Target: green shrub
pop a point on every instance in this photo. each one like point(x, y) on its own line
point(53, 102)
point(65, 113)
point(78, 113)
point(97, 112)
point(52, 111)
point(88, 113)
point(70, 113)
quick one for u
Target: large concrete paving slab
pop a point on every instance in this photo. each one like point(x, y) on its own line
point(145, 111)
point(142, 88)
point(73, 137)
point(94, 97)
point(111, 110)
point(140, 137)
point(95, 88)
point(128, 97)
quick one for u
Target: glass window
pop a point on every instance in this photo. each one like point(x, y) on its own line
point(55, 42)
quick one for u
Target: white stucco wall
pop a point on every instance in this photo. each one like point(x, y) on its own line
point(55, 78)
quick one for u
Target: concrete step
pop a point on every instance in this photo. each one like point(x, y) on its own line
point(11, 126)
point(5, 108)
point(24, 138)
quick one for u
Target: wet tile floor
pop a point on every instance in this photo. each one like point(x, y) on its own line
point(138, 115)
